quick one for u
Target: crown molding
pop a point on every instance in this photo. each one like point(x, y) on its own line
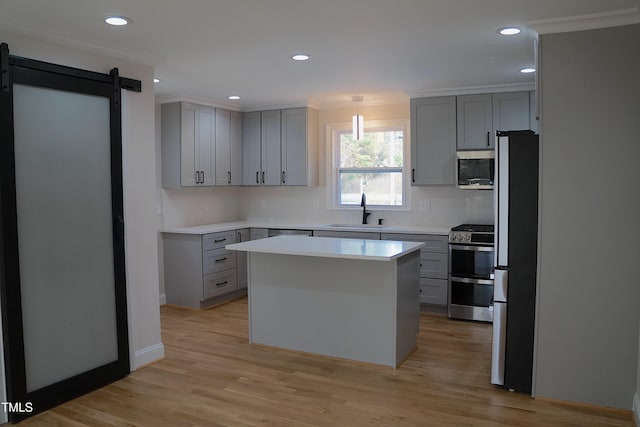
point(164, 99)
point(586, 22)
point(473, 90)
point(137, 57)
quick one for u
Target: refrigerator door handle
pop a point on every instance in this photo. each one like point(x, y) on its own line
point(499, 341)
point(500, 284)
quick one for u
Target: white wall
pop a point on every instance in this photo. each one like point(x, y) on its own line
point(445, 206)
point(588, 288)
point(139, 185)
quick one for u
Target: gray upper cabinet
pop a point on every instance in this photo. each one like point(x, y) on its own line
point(510, 111)
point(474, 122)
point(299, 146)
point(251, 150)
point(228, 145)
point(433, 140)
point(480, 116)
point(261, 148)
point(270, 135)
point(187, 146)
point(279, 147)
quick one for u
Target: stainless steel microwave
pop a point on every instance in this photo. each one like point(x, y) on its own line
point(475, 169)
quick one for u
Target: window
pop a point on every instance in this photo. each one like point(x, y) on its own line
point(373, 165)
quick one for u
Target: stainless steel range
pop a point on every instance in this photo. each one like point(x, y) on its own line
point(471, 272)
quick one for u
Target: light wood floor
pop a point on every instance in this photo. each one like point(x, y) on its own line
point(211, 376)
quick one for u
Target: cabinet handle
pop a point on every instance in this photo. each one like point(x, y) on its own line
point(222, 283)
point(283, 177)
point(221, 259)
point(263, 177)
point(239, 236)
point(257, 177)
point(229, 177)
point(413, 175)
point(197, 177)
point(488, 139)
point(219, 240)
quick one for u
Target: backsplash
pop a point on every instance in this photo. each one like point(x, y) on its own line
point(430, 206)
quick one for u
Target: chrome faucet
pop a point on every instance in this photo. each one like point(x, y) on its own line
point(363, 204)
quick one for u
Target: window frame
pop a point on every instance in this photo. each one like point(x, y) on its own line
point(334, 131)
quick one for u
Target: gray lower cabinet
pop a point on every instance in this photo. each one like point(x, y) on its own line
point(199, 271)
point(258, 233)
point(347, 234)
point(434, 265)
point(241, 259)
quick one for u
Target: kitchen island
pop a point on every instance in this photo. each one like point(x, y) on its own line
point(348, 298)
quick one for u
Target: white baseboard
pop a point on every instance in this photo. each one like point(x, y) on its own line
point(163, 299)
point(636, 408)
point(148, 355)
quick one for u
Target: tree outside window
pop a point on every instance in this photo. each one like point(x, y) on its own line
point(372, 165)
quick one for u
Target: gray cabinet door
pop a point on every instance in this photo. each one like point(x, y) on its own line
point(474, 122)
point(189, 134)
point(223, 147)
point(188, 145)
point(235, 148)
point(241, 259)
point(433, 140)
point(270, 146)
point(510, 111)
point(433, 291)
point(294, 146)
point(251, 155)
point(206, 145)
point(258, 233)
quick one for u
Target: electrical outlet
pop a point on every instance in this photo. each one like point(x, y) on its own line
point(424, 205)
point(263, 204)
point(316, 204)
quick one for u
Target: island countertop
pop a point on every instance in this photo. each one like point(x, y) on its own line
point(329, 247)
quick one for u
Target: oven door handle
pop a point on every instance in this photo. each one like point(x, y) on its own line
point(471, 248)
point(473, 281)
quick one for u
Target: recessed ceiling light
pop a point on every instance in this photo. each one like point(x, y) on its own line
point(117, 20)
point(156, 80)
point(509, 31)
point(301, 57)
point(528, 70)
point(233, 97)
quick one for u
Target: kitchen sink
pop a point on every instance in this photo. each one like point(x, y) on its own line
point(357, 225)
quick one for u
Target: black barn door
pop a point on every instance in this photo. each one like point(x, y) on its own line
point(62, 260)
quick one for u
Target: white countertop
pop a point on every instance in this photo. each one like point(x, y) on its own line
point(235, 225)
point(329, 247)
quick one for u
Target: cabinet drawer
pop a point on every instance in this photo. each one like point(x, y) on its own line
point(219, 284)
point(218, 240)
point(433, 291)
point(434, 265)
point(433, 243)
point(217, 260)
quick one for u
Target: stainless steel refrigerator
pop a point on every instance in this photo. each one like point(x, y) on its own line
point(515, 259)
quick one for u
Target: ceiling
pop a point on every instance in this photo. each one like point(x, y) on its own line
point(385, 50)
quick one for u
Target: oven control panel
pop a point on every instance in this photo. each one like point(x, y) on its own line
point(460, 237)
